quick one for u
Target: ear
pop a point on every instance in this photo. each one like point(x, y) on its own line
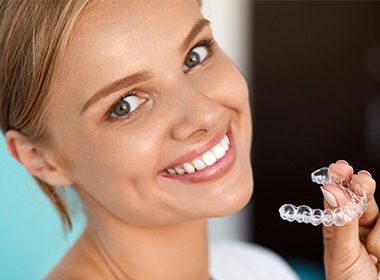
point(35, 160)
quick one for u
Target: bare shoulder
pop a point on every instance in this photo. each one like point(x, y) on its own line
point(81, 262)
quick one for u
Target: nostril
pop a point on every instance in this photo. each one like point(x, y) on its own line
point(196, 125)
point(185, 132)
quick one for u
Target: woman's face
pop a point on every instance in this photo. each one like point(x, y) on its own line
point(141, 91)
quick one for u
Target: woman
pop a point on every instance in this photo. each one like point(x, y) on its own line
point(134, 105)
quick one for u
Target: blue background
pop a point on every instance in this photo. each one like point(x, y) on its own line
point(32, 239)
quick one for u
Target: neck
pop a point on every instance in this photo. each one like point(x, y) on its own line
point(169, 252)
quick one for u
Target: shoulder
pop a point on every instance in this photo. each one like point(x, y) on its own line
point(240, 261)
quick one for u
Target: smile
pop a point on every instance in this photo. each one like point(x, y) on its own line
point(207, 159)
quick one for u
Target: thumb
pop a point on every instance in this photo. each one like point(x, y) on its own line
point(340, 241)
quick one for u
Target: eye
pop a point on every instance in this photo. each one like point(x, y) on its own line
point(125, 106)
point(195, 57)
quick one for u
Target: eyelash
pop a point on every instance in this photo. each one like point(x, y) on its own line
point(209, 44)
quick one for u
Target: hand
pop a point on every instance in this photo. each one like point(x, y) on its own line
point(352, 251)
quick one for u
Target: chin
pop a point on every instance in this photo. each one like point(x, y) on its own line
point(232, 203)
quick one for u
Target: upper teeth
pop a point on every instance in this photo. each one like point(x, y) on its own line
point(207, 159)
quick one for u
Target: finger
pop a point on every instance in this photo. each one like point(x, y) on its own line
point(341, 168)
point(364, 182)
point(334, 197)
point(346, 238)
point(373, 242)
point(340, 173)
point(340, 242)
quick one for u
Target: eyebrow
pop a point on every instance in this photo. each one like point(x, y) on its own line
point(116, 86)
point(193, 33)
point(144, 75)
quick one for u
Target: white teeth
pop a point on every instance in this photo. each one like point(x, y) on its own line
point(189, 168)
point(171, 171)
point(207, 159)
point(218, 151)
point(224, 144)
point(199, 164)
point(180, 170)
point(225, 138)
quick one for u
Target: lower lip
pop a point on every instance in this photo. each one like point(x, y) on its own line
point(211, 172)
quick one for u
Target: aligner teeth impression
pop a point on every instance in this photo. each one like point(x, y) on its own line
point(207, 159)
point(339, 216)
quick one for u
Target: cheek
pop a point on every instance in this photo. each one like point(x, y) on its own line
point(231, 91)
point(119, 156)
point(229, 83)
point(107, 159)
point(227, 86)
point(116, 173)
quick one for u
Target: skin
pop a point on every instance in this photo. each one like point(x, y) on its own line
point(353, 251)
point(182, 112)
point(143, 224)
point(132, 207)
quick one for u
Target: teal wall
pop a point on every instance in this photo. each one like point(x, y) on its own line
point(31, 236)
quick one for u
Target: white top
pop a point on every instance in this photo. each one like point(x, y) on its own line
point(244, 261)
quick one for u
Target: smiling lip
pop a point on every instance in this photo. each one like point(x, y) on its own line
point(206, 163)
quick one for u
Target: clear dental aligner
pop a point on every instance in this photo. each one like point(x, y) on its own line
point(340, 216)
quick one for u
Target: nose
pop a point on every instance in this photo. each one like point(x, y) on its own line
point(197, 114)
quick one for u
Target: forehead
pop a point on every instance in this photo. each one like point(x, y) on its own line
point(123, 32)
point(137, 18)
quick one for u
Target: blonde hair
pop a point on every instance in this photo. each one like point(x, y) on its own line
point(33, 35)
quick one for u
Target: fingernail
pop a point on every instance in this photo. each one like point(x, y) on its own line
point(330, 198)
point(365, 172)
point(342, 161)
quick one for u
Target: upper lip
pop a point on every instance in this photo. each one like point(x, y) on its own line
point(199, 151)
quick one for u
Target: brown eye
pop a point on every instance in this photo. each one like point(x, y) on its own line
point(195, 57)
point(125, 106)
